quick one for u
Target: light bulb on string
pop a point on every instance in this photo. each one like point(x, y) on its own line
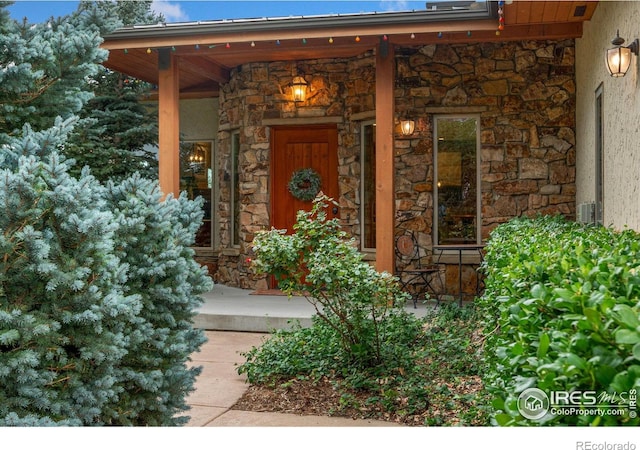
point(357, 38)
point(330, 40)
point(149, 50)
point(413, 36)
point(253, 44)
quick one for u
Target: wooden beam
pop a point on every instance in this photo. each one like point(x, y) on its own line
point(385, 167)
point(168, 123)
point(204, 68)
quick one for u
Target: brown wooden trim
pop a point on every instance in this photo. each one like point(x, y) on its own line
point(169, 128)
point(385, 167)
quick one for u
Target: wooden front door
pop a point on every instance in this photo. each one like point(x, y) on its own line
point(300, 147)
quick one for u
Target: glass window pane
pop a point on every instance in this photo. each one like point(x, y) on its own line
point(196, 179)
point(235, 189)
point(368, 186)
point(457, 180)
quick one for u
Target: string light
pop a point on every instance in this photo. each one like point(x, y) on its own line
point(330, 40)
point(126, 51)
point(500, 16)
point(197, 46)
point(357, 38)
point(173, 49)
point(228, 45)
point(253, 44)
point(149, 50)
point(413, 36)
point(468, 33)
point(439, 34)
point(385, 37)
point(277, 41)
point(304, 41)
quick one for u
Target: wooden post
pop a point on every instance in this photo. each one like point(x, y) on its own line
point(385, 167)
point(168, 123)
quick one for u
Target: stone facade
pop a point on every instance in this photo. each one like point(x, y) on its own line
point(523, 92)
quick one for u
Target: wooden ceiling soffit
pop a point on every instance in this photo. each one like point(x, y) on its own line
point(204, 68)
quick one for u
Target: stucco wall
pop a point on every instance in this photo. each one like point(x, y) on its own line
point(199, 119)
point(621, 104)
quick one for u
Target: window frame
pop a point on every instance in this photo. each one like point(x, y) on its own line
point(213, 204)
point(435, 233)
point(599, 155)
point(234, 181)
point(363, 183)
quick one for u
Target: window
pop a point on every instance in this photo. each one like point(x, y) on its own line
point(457, 190)
point(599, 160)
point(235, 189)
point(196, 179)
point(368, 185)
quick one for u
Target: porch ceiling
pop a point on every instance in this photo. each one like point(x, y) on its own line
point(207, 51)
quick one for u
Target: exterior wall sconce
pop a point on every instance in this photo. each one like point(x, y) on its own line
point(619, 57)
point(407, 126)
point(299, 89)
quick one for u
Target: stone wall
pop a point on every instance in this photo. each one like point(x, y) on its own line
point(257, 97)
point(523, 92)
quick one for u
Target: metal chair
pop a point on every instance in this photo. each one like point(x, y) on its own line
point(417, 269)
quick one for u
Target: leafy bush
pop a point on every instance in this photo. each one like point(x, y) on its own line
point(319, 260)
point(97, 293)
point(384, 361)
point(561, 310)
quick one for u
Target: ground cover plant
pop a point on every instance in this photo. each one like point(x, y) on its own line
point(561, 313)
point(364, 355)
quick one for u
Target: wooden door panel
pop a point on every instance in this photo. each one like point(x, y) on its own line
point(295, 148)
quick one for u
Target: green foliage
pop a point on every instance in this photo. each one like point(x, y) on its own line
point(98, 288)
point(117, 133)
point(62, 305)
point(561, 314)
point(348, 294)
point(43, 70)
point(98, 285)
point(434, 381)
point(383, 359)
point(154, 239)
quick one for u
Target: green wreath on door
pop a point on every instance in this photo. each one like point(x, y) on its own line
point(305, 184)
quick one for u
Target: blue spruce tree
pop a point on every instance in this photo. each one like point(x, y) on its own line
point(98, 285)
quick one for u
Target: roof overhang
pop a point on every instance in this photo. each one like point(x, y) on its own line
point(208, 50)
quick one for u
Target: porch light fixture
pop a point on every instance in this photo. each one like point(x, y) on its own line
point(299, 89)
point(407, 126)
point(619, 57)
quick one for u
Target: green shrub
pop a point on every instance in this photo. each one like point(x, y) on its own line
point(561, 310)
point(319, 260)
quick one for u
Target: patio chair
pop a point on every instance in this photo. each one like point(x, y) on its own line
point(419, 274)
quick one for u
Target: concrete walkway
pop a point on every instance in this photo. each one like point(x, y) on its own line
point(237, 320)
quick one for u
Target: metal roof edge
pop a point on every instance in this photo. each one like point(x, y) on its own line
point(294, 23)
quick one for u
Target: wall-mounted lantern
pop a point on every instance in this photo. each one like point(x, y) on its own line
point(407, 126)
point(299, 89)
point(619, 57)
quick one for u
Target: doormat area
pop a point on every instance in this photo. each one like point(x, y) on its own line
point(274, 292)
point(268, 292)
